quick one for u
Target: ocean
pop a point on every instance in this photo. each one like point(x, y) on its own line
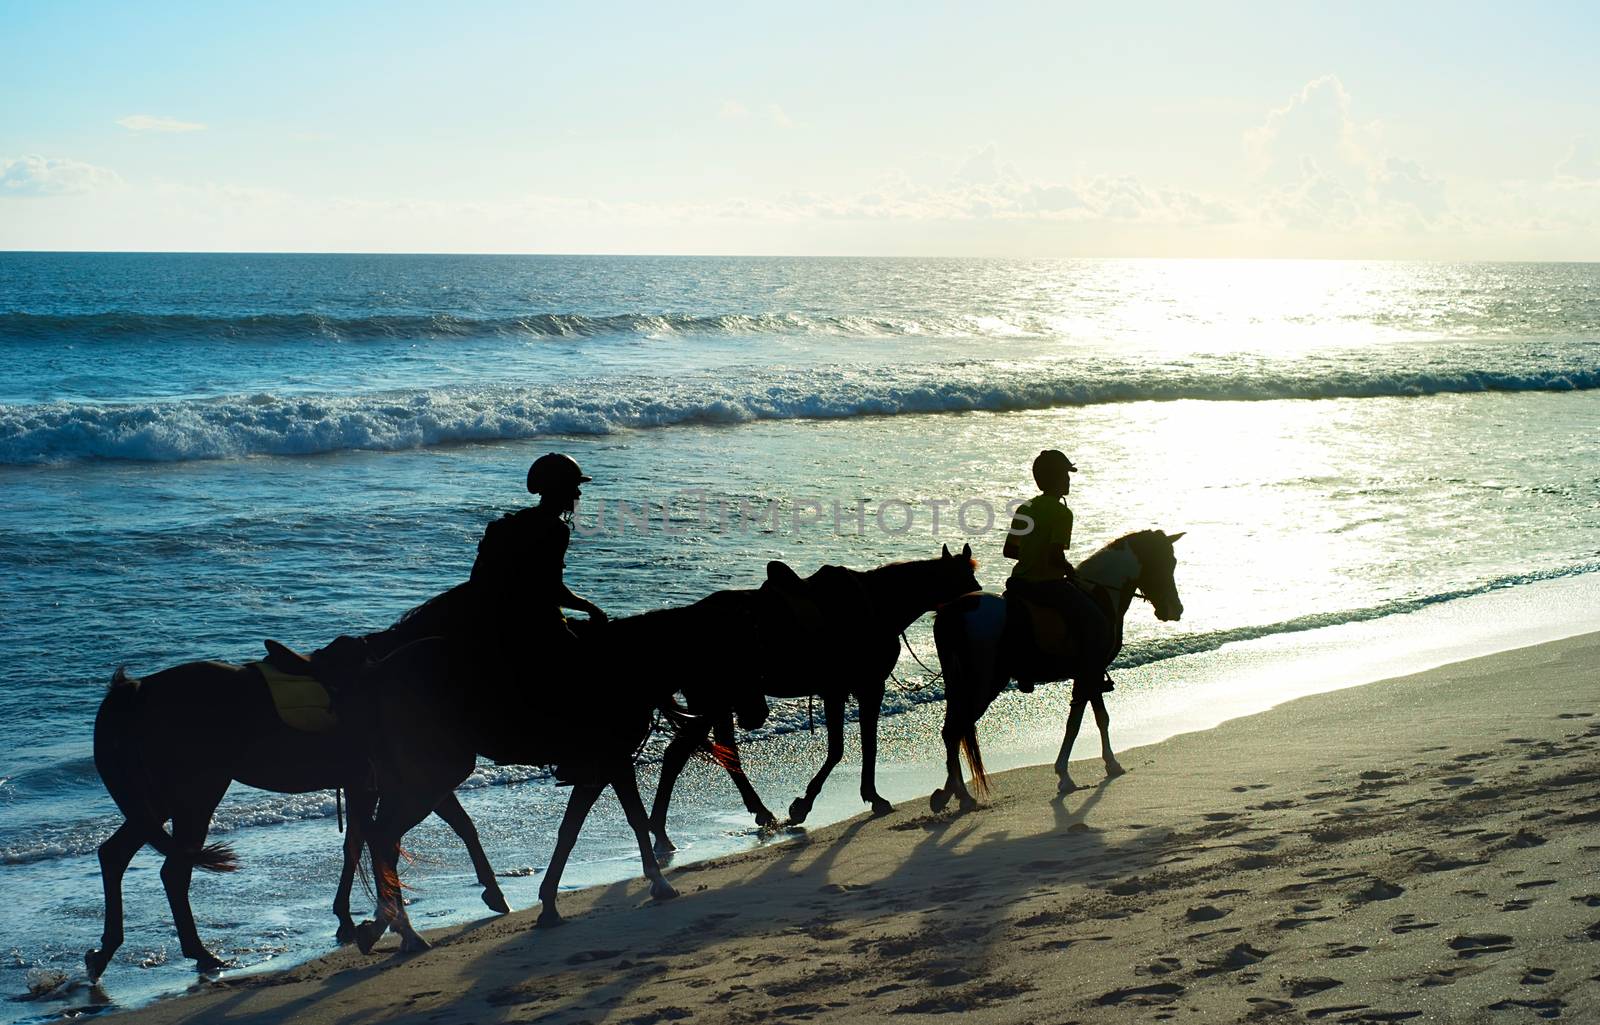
point(1377, 465)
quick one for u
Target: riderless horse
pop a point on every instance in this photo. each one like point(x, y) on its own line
point(835, 634)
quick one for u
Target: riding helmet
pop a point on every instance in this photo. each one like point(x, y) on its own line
point(554, 471)
point(1051, 462)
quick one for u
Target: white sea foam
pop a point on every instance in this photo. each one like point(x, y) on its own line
point(260, 424)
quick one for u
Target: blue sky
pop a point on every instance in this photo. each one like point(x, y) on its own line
point(1361, 130)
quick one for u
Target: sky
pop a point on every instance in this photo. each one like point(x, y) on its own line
point(1350, 130)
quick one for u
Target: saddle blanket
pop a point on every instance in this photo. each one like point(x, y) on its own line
point(302, 703)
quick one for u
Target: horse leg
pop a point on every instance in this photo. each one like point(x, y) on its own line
point(115, 854)
point(626, 787)
point(360, 804)
point(189, 828)
point(954, 785)
point(723, 734)
point(398, 811)
point(1074, 722)
point(871, 703)
point(456, 818)
point(833, 708)
point(1102, 719)
point(578, 805)
point(672, 763)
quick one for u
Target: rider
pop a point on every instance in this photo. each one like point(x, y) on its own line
point(1038, 541)
point(516, 578)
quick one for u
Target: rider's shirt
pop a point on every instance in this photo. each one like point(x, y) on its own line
point(520, 560)
point(1040, 555)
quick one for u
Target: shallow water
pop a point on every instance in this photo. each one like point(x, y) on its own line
point(198, 452)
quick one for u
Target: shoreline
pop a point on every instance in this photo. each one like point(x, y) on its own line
point(1152, 895)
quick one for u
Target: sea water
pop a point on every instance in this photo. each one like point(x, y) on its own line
point(1378, 466)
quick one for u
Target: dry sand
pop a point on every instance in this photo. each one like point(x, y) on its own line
point(1419, 849)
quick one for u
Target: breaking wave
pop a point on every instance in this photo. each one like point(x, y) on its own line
point(300, 327)
point(265, 424)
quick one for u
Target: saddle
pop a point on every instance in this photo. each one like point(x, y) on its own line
point(1042, 646)
point(302, 702)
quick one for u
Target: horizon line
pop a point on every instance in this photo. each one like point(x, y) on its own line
point(761, 256)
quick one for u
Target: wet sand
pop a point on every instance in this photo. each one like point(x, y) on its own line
point(1424, 848)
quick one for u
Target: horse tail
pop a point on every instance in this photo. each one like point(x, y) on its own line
point(969, 747)
point(124, 778)
point(680, 719)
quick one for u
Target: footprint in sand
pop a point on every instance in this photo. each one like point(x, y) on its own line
point(1300, 923)
point(1205, 913)
point(1160, 966)
point(1520, 904)
point(1538, 976)
point(1589, 900)
point(1478, 944)
point(1375, 891)
point(1308, 987)
point(1547, 1009)
point(1523, 839)
point(586, 956)
point(1144, 996)
point(1336, 950)
point(1243, 955)
point(1575, 715)
point(1402, 924)
point(1372, 775)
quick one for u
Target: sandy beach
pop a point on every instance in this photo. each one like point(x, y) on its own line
point(1422, 848)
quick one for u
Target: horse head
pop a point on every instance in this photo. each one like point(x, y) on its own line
point(1157, 565)
point(958, 574)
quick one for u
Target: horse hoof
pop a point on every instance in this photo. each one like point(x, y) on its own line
point(1114, 769)
point(94, 962)
point(765, 818)
point(207, 963)
point(968, 804)
point(937, 800)
point(798, 810)
point(549, 918)
point(496, 900)
point(881, 807)
point(1066, 786)
point(346, 933)
point(662, 890)
point(368, 934)
point(414, 944)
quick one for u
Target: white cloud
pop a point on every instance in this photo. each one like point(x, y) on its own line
point(1324, 170)
point(42, 176)
point(1581, 165)
point(152, 123)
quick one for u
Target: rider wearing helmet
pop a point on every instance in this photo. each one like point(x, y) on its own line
point(1039, 537)
point(517, 576)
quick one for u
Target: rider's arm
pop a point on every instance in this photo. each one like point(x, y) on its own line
point(568, 600)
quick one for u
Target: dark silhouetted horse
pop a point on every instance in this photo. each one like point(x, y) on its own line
point(169, 745)
point(835, 635)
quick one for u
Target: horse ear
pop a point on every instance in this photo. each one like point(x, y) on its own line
point(1173, 538)
point(966, 551)
point(946, 550)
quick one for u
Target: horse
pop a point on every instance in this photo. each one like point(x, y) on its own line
point(979, 655)
point(834, 635)
point(433, 717)
point(169, 745)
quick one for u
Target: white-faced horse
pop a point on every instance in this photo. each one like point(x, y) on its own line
point(980, 655)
